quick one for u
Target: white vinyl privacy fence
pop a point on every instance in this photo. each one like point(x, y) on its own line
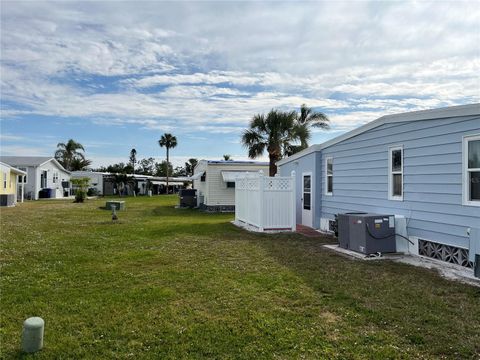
point(265, 203)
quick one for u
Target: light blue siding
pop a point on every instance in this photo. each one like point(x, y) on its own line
point(307, 163)
point(432, 177)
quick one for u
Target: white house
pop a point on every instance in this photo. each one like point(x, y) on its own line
point(43, 173)
point(215, 182)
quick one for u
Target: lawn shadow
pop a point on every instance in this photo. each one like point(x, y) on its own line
point(378, 294)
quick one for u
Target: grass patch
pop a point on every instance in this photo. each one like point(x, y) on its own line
point(171, 283)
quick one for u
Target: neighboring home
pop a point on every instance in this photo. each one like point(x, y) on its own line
point(11, 186)
point(215, 182)
point(97, 180)
point(158, 184)
point(46, 177)
point(422, 165)
point(106, 183)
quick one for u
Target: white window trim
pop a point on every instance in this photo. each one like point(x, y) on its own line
point(4, 180)
point(465, 187)
point(326, 176)
point(390, 173)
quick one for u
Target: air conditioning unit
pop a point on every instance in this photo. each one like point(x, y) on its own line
point(188, 197)
point(367, 233)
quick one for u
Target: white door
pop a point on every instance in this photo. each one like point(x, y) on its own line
point(307, 199)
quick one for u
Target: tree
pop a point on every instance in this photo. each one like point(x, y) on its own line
point(147, 166)
point(163, 168)
point(133, 159)
point(120, 168)
point(310, 118)
point(169, 142)
point(190, 166)
point(275, 133)
point(67, 153)
point(179, 171)
point(227, 157)
point(78, 164)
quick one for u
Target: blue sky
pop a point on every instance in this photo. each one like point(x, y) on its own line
point(117, 75)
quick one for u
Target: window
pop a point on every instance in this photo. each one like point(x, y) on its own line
point(4, 180)
point(307, 192)
point(471, 170)
point(395, 179)
point(204, 177)
point(43, 179)
point(55, 177)
point(329, 176)
point(22, 178)
point(230, 184)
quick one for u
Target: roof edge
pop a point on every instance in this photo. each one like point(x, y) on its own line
point(439, 113)
point(16, 170)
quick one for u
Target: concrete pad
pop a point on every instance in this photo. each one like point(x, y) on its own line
point(252, 228)
point(446, 270)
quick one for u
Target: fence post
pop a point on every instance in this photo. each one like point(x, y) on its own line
point(245, 198)
point(261, 186)
point(294, 202)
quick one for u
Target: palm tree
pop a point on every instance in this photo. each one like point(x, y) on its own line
point(190, 166)
point(133, 159)
point(276, 133)
point(78, 164)
point(169, 142)
point(67, 153)
point(227, 157)
point(310, 118)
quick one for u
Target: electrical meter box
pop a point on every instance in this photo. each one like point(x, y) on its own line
point(367, 233)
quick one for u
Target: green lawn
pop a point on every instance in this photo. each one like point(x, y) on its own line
point(170, 283)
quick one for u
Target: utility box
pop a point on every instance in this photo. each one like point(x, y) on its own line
point(188, 198)
point(119, 205)
point(367, 233)
point(342, 222)
point(7, 199)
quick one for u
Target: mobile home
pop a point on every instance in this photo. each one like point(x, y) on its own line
point(215, 182)
point(423, 166)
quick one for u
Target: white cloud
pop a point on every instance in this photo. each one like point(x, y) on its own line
point(205, 68)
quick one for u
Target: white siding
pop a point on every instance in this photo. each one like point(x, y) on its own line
point(218, 193)
point(201, 186)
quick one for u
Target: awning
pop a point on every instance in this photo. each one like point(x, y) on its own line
point(197, 175)
point(230, 176)
point(158, 182)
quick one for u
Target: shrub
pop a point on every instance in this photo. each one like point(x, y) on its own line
point(81, 186)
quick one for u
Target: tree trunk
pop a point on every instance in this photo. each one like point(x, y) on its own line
point(273, 164)
point(168, 162)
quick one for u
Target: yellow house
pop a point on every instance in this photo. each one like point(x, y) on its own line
point(11, 185)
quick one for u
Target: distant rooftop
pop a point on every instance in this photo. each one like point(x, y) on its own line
point(25, 160)
point(236, 162)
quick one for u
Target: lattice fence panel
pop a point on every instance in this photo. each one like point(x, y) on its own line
point(278, 183)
